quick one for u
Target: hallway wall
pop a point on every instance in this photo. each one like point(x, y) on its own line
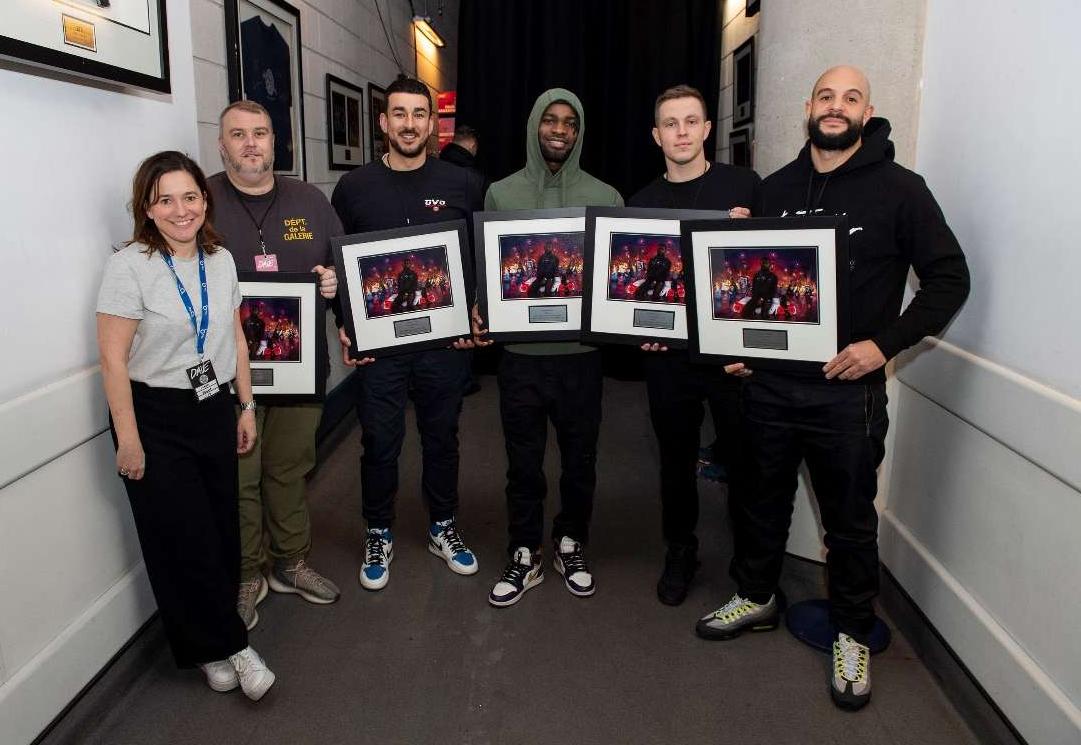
point(72, 585)
point(985, 494)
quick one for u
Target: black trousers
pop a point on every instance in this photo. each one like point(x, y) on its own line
point(677, 389)
point(566, 389)
point(436, 380)
point(187, 518)
point(840, 431)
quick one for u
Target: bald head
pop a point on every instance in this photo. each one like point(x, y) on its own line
point(839, 107)
point(844, 78)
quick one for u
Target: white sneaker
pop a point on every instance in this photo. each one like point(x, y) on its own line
point(254, 676)
point(851, 681)
point(220, 675)
point(571, 563)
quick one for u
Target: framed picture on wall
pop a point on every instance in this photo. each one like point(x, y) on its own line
point(284, 327)
point(405, 289)
point(635, 282)
point(121, 41)
point(345, 139)
point(529, 273)
point(262, 45)
point(739, 147)
point(772, 292)
point(377, 104)
point(743, 73)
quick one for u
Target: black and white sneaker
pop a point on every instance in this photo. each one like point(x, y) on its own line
point(850, 686)
point(571, 563)
point(522, 572)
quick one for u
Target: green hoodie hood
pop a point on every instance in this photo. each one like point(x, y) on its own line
point(535, 186)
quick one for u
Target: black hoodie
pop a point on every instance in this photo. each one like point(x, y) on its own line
point(893, 223)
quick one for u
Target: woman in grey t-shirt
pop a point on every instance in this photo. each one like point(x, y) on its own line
point(168, 333)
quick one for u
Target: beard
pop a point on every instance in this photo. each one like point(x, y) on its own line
point(406, 150)
point(840, 141)
point(242, 167)
point(556, 156)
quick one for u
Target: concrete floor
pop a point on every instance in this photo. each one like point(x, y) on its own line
point(428, 661)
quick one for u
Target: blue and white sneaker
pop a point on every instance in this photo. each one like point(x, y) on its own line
point(444, 542)
point(378, 552)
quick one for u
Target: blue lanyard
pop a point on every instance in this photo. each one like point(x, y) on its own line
point(204, 323)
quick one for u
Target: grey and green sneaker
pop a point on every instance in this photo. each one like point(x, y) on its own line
point(851, 682)
point(251, 593)
point(736, 616)
point(298, 578)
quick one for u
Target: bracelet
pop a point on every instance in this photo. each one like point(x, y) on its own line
point(250, 406)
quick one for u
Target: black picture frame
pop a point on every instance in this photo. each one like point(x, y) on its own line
point(503, 317)
point(740, 152)
point(743, 83)
point(624, 313)
point(89, 41)
point(723, 341)
point(374, 328)
point(262, 46)
point(296, 295)
point(377, 104)
point(345, 124)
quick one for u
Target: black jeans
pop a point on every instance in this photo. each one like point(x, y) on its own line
point(840, 430)
point(436, 380)
point(188, 519)
point(567, 389)
point(677, 389)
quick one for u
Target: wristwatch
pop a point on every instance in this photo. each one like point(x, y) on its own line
point(250, 406)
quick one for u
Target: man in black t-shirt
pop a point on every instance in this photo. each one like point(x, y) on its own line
point(403, 188)
point(763, 290)
point(677, 387)
point(273, 223)
point(656, 275)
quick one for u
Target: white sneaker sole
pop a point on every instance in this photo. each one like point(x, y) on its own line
point(255, 611)
point(278, 586)
point(511, 601)
point(380, 583)
point(558, 564)
point(259, 689)
point(456, 568)
point(222, 686)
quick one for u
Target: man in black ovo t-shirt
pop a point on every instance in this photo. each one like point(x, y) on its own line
point(403, 188)
point(677, 387)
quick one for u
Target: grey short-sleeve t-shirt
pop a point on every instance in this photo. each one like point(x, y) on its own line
point(141, 287)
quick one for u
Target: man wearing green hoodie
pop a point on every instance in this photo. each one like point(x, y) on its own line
point(561, 381)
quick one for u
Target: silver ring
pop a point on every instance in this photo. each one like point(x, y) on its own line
point(123, 472)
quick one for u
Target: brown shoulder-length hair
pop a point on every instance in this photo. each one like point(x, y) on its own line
point(144, 191)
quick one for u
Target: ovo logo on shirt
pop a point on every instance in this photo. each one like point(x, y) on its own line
point(296, 229)
point(435, 204)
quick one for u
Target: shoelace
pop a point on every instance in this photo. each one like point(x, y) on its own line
point(574, 561)
point(374, 550)
point(514, 573)
point(241, 661)
point(734, 608)
point(850, 660)
point(249, 590)
point(453, 540)
point(301, 571)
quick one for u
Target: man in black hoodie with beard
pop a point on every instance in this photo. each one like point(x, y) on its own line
point(836, 419)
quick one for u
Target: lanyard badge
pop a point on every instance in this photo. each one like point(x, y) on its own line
point(201, 376)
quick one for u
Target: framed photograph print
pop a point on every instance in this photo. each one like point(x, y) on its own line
point(283, 319)
point(772, 292)
point(743, 74)
point(377, 104)
point(635, 283)
point(345, 139)
point(405, 289)
point(121, 41)
point(529, 273)
point(262, 50)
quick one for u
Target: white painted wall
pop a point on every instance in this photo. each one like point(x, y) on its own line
point(72, 587)
point(985, 497)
